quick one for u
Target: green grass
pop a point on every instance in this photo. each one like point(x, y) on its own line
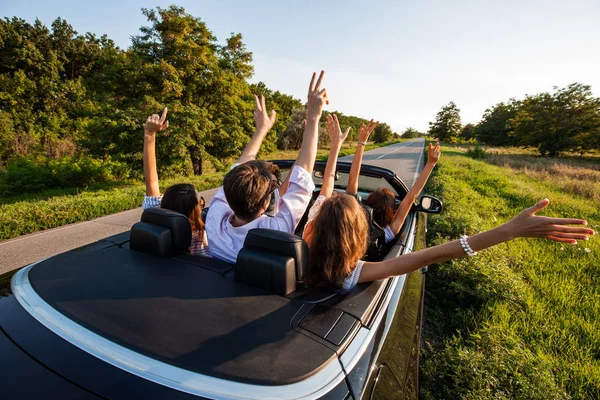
point(518, 321)
point(30, 213)
point(24, 214)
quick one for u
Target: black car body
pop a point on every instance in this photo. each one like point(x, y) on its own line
point(105, 321)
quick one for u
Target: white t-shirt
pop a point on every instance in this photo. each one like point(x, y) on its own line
point(225, 241)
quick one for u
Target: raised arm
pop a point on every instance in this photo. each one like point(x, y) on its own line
point(263, 123)
point(525, 224)
point(363, 136)
point(316, 100)
point(433, 156)
point(153, 124)
point(337, 138)
point(310, 141)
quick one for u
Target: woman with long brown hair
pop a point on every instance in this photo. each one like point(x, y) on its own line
point(337, 233)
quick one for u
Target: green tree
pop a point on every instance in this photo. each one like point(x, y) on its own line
point(468, 132)
point(568, 120)
point(447, 126)
point(410, 133)
point(382, 133)
point(495, 127)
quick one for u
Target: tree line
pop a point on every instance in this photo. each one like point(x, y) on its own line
point(79, 100)
point(567, 120)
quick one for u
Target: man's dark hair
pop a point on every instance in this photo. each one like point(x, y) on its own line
point(247, 187)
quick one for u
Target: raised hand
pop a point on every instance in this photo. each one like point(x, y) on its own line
point(155, 124)
point(335, 132)
point(317, 97)
point(366, 130)
point(263, 122)
point(527, 224)
point(433, 153)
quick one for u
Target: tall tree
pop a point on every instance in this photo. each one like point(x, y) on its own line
point(495, 127)
point(447, 125)
point(568, 120)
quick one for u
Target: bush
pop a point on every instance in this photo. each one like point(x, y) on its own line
point(34, 174)
point(477, 153)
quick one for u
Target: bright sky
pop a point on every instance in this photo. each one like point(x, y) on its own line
point(396, 61)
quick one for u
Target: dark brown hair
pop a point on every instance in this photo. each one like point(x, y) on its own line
point(248, 186)
point(382, 201)
point(338, 239)
point(184, 198)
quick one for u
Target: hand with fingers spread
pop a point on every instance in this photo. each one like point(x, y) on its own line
point(317, 97)
point(365, 131)
point(527, 224)
point(433, 153)
point(263, 121)
point(155, 124)
point(335, 132)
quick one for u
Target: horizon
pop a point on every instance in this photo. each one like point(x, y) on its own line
point(475, 55)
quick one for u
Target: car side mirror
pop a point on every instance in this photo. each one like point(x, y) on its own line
point(319, 174)
point(430, 205)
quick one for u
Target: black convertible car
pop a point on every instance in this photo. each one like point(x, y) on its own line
point(134, 316)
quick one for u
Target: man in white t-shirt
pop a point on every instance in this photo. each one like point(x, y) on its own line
point(240, 203)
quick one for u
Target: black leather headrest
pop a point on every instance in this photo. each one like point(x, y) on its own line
point(151, 239)
point(281, 243)
point(161, 232)
point(272, 260)
point(177, 223)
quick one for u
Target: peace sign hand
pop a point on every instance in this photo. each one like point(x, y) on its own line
point(155, 124)
point(316, 98)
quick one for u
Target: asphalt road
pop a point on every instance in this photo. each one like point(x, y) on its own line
point(405, 159)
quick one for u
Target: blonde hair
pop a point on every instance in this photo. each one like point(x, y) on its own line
point(338, 239)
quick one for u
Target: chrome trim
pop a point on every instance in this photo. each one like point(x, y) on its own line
point(158, 372)
point(359, 344)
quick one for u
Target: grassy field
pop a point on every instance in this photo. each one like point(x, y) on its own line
point(521, 320)
point(24, 214)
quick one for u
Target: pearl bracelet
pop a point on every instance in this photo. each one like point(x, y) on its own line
point(363, 143)
point(465, 245)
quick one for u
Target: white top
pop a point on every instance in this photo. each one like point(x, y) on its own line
point(225, 241)
point(389, 234)
point(352, 280)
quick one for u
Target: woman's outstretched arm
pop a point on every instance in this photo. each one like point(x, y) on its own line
point(153, 124)
point(433, 156)
point(525, 224)
point(363, 136)
point(337, 138)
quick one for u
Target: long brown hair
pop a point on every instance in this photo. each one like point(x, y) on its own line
point(337, 241)
point(184, 198)
point(382, 201)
